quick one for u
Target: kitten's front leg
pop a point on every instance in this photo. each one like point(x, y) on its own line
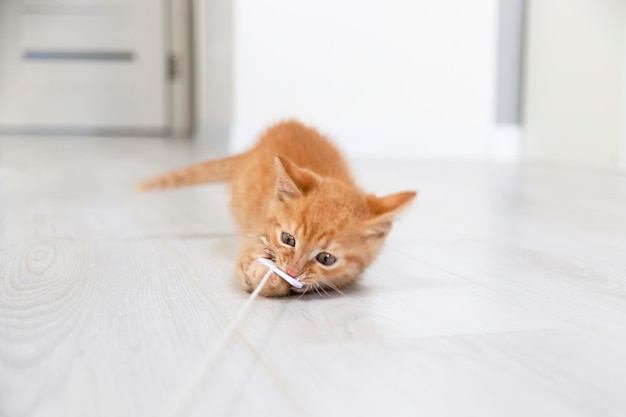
point(250, 271)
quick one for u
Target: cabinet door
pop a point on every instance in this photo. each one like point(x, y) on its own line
point(89, 64)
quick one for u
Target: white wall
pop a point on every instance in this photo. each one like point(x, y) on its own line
point(395, 76)
point(574, 82)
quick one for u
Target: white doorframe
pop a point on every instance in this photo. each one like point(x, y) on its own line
point(180, 68)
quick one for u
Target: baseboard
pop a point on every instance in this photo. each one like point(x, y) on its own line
point(500, 143)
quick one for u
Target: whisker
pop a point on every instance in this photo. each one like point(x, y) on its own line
point(306, 289)
point(302, 294)
point(321, 287)
point(317, 290)
point(332, 285)
point(270, 249)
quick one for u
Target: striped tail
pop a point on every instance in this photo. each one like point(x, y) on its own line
point(204, 172)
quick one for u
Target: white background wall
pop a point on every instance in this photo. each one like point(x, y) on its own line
point(575, 85)
point(393, 77)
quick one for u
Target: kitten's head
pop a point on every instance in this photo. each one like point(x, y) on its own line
point(323, 231)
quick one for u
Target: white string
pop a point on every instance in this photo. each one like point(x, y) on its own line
point(186, 391)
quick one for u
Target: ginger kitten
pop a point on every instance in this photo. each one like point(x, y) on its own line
point(296, 203)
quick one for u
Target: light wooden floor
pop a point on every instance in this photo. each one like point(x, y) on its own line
point(502, 292)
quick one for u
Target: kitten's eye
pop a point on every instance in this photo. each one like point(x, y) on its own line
point(326, 258)
point(288, 239)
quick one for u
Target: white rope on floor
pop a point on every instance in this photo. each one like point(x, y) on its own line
point(186, 392)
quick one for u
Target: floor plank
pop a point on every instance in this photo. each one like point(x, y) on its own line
point(502, 291)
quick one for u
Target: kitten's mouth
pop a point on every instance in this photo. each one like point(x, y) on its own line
point(294, 282)
point(306, 284)
point(302, 287)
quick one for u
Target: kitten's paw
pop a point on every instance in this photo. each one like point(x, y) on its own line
point(253, 275)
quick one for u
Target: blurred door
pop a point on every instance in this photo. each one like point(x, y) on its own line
point(83, 65)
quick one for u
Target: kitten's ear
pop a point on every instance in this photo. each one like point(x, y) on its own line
point(292, 181)
point(384, 209)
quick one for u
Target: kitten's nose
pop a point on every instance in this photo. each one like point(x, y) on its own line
point(293, 272)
